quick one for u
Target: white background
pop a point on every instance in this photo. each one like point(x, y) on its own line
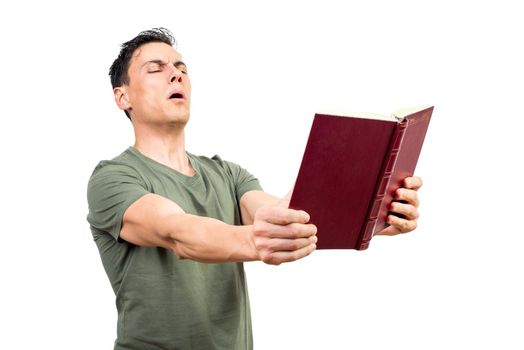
point(259, 72)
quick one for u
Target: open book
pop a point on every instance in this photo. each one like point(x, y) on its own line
point(352, 165)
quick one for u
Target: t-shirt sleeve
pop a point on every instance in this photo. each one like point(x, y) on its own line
point(244, 181)
point(111, 190)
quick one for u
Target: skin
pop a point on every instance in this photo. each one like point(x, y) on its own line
point(271, 232)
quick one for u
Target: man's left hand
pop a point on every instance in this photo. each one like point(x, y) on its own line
point(405, 203)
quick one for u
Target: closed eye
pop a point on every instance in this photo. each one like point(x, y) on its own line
point(156, 66)
point(181, 66)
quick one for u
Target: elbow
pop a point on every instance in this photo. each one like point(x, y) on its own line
point(170, 242)
point(202, 250)
point(180, 251)
point(187, 243)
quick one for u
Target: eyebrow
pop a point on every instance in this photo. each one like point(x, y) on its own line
point(163, 63)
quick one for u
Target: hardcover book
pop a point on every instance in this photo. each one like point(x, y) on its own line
point(351, 168)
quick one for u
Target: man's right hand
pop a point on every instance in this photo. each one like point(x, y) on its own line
point(282, 234)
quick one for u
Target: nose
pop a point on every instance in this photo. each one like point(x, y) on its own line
point(176, 75)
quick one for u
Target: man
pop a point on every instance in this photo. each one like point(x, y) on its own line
point(173, 228)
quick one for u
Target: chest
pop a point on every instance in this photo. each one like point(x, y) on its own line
point(211, 195)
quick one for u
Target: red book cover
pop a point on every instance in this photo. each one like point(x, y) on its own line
point(350, 169)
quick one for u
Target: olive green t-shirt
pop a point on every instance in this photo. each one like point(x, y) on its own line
point(164, 302)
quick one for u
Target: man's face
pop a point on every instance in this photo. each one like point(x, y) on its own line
point(159, 90)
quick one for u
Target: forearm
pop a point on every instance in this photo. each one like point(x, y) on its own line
point(209, 240)
point(278, 235)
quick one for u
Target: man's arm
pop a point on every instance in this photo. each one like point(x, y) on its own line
point(278, 234)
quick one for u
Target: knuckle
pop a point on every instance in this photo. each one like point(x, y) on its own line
point(280, 216)
point(294, 245)
point(294, 230)
point(262, 244)
point(408, 195)
point(266, 257)
point(272, 245)
point(273, 260)
point(408, 226)
point(259, 228)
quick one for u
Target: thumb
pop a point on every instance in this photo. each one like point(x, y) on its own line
point(284, 202)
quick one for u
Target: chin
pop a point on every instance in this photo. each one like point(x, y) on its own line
point(179, 116)
point(178, 119)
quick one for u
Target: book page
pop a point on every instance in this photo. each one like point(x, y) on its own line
point(363, 115)
point(396, 116)
point(402, 113)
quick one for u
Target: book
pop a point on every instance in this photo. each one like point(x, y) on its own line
point(351, 168)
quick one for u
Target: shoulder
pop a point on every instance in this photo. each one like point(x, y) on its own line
point(236, 175)
point(215, 164)
point(216, 160)
point(123, 165)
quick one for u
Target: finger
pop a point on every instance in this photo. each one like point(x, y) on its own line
point(410, 196)
point(409, 211)
point(278, 258)
point(402, 225)
point(413, 182)
point(283, 216)
point(284, 245)
point(290, 231)
point(389, 231)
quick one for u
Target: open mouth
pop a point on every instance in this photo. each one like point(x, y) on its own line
point(176, 95)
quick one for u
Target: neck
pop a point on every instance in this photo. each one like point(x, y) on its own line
point(166, 146)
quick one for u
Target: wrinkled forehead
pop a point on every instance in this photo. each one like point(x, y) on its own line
point(154, 51)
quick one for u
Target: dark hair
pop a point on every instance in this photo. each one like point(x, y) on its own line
point(119, 69)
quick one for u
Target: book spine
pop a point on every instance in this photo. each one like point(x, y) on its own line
point(380, 189)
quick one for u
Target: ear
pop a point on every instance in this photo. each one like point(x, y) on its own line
point(121, 98)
